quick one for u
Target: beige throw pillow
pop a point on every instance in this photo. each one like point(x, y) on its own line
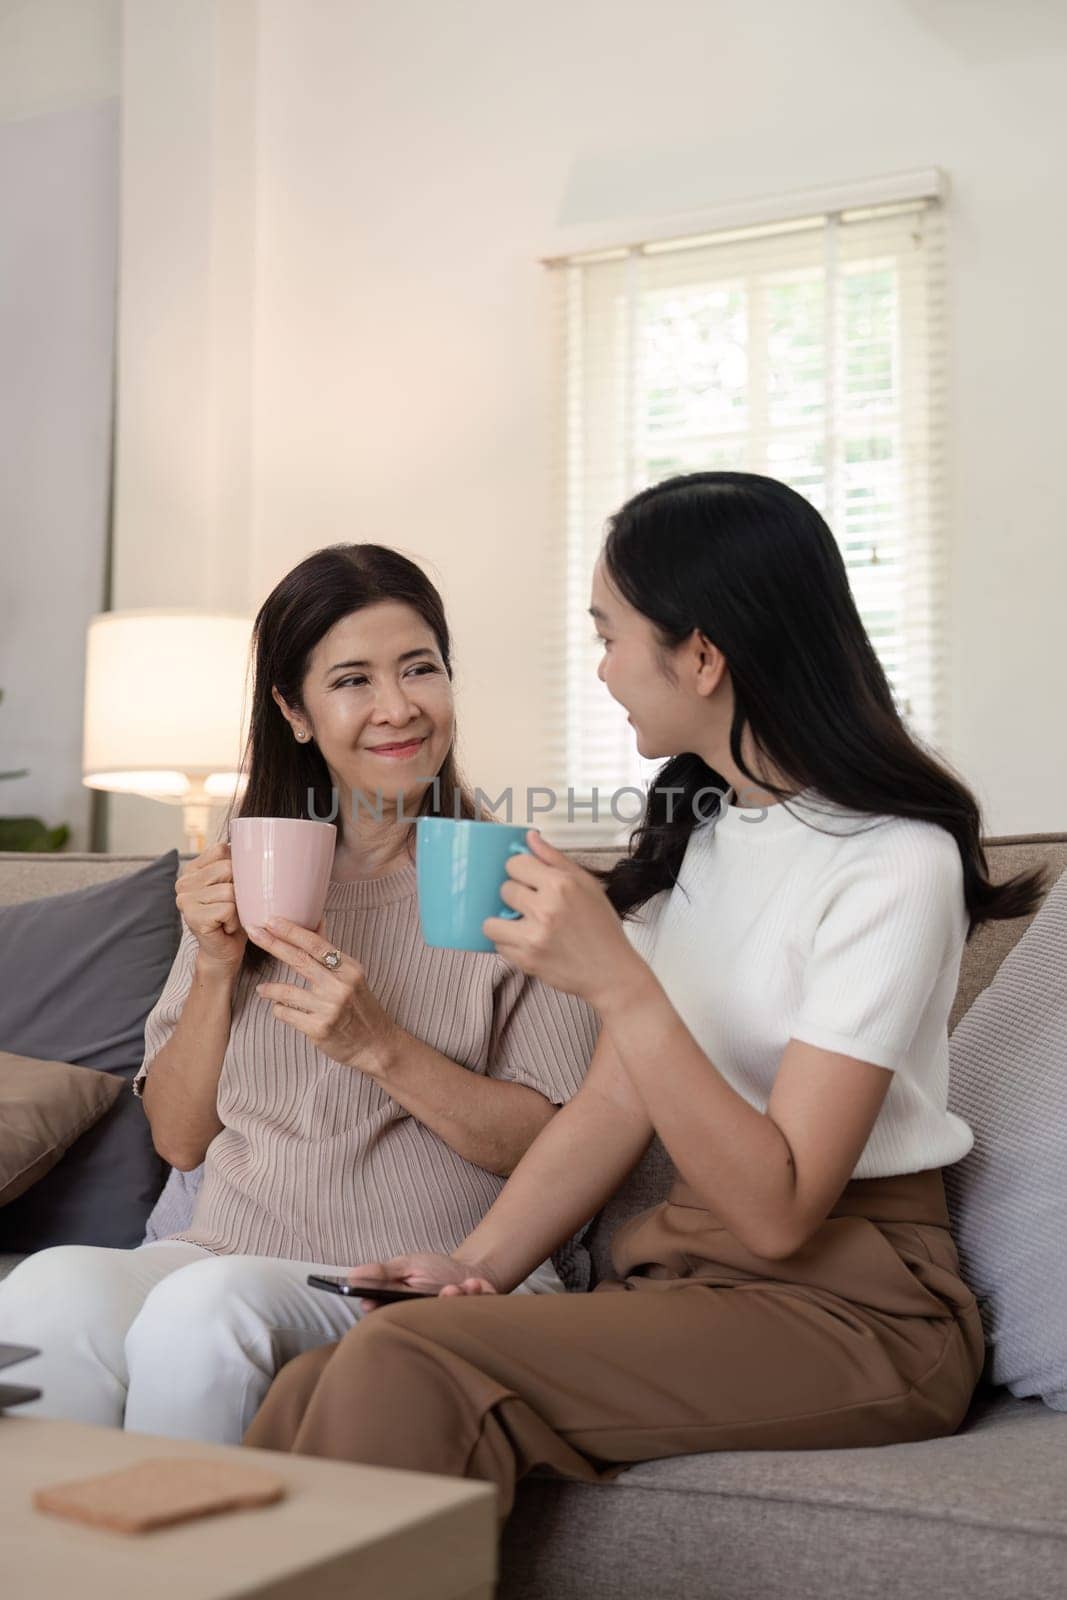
point(44, 1107)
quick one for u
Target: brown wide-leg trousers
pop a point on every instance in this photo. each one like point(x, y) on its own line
point(866, 1336)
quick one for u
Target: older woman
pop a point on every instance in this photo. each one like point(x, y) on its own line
point(340, 1116)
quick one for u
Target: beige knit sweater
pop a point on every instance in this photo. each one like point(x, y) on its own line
point(315, 1161)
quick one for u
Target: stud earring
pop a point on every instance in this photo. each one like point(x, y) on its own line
point(301, 734)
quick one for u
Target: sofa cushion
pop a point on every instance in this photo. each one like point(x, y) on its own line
point(646, 1186)
point(79, 973)
point(47, 1105)
point(1008, 1196)
point(980, 1513)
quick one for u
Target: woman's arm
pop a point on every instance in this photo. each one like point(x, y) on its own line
point(770, 1176)
point(488, 1121)
point(181, 1091)
point(576, 1164)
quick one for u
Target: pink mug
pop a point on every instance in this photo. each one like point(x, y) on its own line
point(281, 868)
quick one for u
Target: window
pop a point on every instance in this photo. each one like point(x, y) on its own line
point(810, 349)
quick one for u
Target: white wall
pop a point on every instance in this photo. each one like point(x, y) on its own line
point(57, 55)
point(185, 421)
point(58, 248)
point(186, 317)
point(414, 160)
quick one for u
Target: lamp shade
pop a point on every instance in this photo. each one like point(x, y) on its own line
point(165, 702)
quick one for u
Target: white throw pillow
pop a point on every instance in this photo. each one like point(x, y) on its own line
point(1008, 1196)
point(174, 1209)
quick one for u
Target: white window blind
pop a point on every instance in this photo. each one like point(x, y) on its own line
point(811, 350)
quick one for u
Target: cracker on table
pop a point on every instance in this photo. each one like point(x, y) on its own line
point(160, 1491)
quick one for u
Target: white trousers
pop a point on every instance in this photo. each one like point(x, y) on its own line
point(168, 1338)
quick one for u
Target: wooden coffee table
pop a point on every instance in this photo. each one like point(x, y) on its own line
point(361, 1533)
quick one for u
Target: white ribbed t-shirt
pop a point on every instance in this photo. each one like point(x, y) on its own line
point(849, 938)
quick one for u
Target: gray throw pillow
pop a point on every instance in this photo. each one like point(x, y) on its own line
point(1008, 1196)
point(79, 974)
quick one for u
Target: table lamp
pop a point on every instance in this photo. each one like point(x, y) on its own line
point(166, 708)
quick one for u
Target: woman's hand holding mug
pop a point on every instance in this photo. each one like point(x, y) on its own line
point(567, 934)
point(205, 895)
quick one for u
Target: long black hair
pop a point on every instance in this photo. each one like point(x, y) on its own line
point(753, 566)
point(290, 779)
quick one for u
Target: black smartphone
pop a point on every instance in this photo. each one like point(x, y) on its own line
point(385, 1292)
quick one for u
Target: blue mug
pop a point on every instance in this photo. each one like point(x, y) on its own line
point(461, 869)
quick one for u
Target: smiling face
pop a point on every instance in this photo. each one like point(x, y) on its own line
point(378, 703)
point(668, 694)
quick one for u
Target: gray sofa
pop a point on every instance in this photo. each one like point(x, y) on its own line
point(979, 1515)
